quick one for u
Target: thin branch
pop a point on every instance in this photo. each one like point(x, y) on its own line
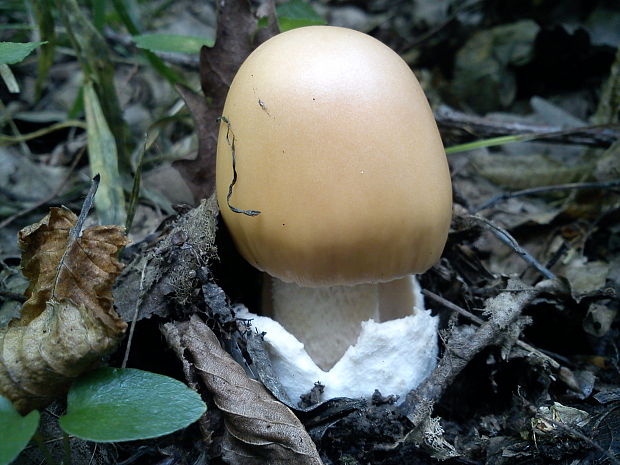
point(461, 349)
point(571, 431)
point(507, 239)
point(566, 374)
point(135, 315)
point(537, 190)
point(76, 231)
point(455, 124)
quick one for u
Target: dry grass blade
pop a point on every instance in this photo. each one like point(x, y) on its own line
point(260, 429)
point(103, 157)
point(68, 322)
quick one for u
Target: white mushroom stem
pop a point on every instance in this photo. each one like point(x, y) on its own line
point(328, 320)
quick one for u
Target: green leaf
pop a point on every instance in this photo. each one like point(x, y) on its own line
point(99, 11)
point(14, 52)
point(172, 43)
point(16, 430)
point(297, 13)
point(156, 62)
point(114, 404)
point(103, 157)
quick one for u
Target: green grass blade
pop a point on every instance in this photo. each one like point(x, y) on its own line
point(492, 142)
point(157, 63)
point(46, 24)
point(94, 56)
point(98, 8)
point(172, 43)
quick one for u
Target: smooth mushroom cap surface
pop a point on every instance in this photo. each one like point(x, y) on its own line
point(336, 146)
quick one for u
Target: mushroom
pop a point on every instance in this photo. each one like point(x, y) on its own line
point(332, 178)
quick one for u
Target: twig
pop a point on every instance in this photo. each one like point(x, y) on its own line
point(8, 295)
point(76, 231)
point(507, 239)
point(564, 373)
point(479, 321)
point(461, 349)
point(457, 124)
point(537, 190)
point(48, 199)
point(572, 431)
point(135, 316)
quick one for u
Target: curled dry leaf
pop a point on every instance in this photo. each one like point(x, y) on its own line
point(68, 322)
point(260, 430)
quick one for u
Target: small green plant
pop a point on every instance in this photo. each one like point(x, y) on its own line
point(172, 43)
point(110, 405)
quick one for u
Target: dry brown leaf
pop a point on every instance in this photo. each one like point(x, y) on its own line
point(68, 322)
point(260, 430)
point(237, 36)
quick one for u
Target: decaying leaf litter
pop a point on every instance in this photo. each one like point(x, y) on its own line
point(68, 323)
point(491, 400)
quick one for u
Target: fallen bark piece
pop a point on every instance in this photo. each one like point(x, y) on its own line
point(166, 271)
point(68, 322)
point(260, 430)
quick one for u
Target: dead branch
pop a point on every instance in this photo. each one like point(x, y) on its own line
point(462, 127)
point(538, 190)
point(565, 374)
point(511, 242)
point(503, 310)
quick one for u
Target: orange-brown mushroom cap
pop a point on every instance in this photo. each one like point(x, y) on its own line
point(336, 146)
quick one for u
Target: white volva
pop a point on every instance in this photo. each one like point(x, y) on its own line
point(393, 356)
